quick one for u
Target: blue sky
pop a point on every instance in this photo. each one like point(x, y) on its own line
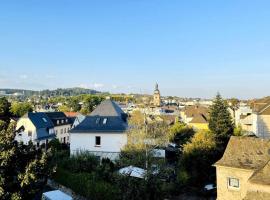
point(192, 48)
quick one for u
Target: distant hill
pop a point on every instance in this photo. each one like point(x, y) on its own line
point(58, 92)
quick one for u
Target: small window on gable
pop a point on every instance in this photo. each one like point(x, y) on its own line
point(98, 141)
point(105, 121)
point(30, 133)
point(44, 119)
point(233, 183)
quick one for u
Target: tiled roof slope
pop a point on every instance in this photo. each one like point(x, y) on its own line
point(246, 153)
point(107, 117)
point(253, 195)
point(108, 108)
point(39, 119)
point(262, 176)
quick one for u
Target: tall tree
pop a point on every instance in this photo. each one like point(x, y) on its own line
point(4, 109)
point(20, 108)
point(23, 169)
point(220, 122)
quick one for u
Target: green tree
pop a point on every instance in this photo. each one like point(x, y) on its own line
point(23, 169)
point(195, 165)
point(20, 108)
point(180, 133)
point(4, 108)
point(220, 122)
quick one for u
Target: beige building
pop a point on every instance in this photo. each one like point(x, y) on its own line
point(196, 116)
point(244, 170)
point(156, 96)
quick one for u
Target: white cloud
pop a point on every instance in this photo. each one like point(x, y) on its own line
point(98, 85)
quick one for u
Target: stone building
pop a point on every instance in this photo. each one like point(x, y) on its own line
point(244, 170)
point(157, 98)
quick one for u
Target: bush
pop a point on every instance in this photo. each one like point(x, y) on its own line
point(83, 162)
point(86, 184)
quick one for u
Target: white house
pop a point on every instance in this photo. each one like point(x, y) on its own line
point(62, 125)
point(102, 133)
point(35, 127)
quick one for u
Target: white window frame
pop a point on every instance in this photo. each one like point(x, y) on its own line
point(229, 179)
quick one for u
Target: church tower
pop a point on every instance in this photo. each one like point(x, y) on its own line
point(157, 99)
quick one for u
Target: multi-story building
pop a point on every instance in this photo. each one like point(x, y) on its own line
point(61, 124)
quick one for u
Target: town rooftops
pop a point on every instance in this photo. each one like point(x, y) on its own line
point(246, 153)
point(107, 117)
point(199, 118)
point(191, 111)
point(261, 106)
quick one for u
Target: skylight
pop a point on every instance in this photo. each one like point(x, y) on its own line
point(44, 119)
point(104, 120)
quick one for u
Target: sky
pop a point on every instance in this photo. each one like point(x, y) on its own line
point(191, 48)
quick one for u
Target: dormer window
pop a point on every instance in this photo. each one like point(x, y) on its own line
point(62, 121)
point(97, 120)
point(57, 121)
point(105, 121)
point(66, 120)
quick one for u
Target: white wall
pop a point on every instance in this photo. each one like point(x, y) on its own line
point(65, 132)
point(110, 142)
point(29, 126)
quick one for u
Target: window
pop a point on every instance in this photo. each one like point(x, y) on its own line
point(104, 120)
point(97, 120)
point(57, 121)
point(56, 132)
point(233, 183)
point(30, 133)
point(98, 141)
point(61, 131)
point(62, 121)
point(65, 130)
point(44, 119)
point(66, 120)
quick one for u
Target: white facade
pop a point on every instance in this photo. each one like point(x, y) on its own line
point(110, 143)
point(62, 133)
point(29, 133)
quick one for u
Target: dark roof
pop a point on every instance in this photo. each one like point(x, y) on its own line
point(108, 108)
point(58, 116)
point(246, 153)
point(107, 117)
point(43, 133)
point(39, 119)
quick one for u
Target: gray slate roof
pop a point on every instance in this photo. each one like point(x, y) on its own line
point(42, 123)
point(107, 117)
point(39, 119)
point(58, 116)
point(108, 108)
